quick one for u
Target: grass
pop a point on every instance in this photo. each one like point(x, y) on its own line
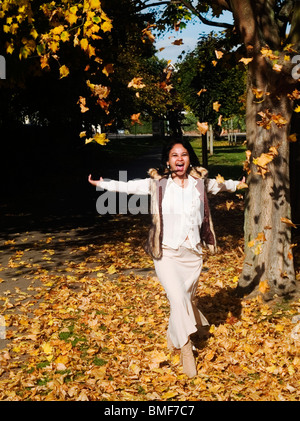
point(226, 160)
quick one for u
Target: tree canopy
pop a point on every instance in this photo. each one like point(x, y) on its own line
point(212, 90)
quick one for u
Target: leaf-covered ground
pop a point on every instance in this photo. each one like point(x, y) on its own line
point(86, 319)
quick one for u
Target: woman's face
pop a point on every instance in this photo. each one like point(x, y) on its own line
point(179, 160)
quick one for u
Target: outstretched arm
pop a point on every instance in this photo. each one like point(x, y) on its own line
point(139, 187)
point(228, 185)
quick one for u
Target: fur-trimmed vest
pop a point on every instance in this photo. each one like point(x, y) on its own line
point(158, 185)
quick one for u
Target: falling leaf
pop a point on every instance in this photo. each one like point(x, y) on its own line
point(82, 104)
point(219, 54)
point(135, 118)
point(259, 93)
point(267, 52)
point(229, 204)
point(177, 42)
point(201, 91)
point(108, 69)
point(297, 109)
point(101, 138)
point(63, 71)
point(261, 237)
point(242, 185)
point(294, 95)
point(220, 179)
point(136, 83)
point(147, 32)
point(277, 67)
point(216, 106)
point(246, 60)
point(288, 222)
point(264, 159)
point(202, 127)
point(220, 120)
point(292, 137)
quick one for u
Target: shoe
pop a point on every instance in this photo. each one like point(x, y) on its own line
point(188, 360)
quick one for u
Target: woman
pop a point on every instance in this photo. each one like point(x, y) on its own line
point(181, 224)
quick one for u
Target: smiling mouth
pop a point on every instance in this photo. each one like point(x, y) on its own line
point(179, 167)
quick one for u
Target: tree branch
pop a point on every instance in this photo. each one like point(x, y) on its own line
point(189, 6)
point(193, 9)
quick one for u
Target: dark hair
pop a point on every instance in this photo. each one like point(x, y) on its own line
point(166, 151)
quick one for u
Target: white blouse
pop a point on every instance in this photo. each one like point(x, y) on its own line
point(181, 211)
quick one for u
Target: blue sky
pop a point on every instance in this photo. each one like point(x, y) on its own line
point(189, 37)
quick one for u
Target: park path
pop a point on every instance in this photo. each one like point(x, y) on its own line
point(33, 238)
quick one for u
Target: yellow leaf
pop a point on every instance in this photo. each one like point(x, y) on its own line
point(62, 359)
point(257, 92)
point(279, 328)
point(261, 237)
point(170, 394)
point(288, 222)
point(71, 17)
point(135, 118)
point(140, 320)
point(220, 179)
point(297, 109)
point(202, 127)
point(106, 26)
point(101, 138)
point(94, 4)
point(258, 249)
point(136, 83)
point(201, 90)
point(216, 106)
point(109, 68)
point(210, 355)
point(34, 33)
point(219, 54)
point(112, 269)
point(84, 44)
point(10, 48)
point(82, 104)
point(246, 60)
point(47, 348)
point(58, 30)
point(64, 71)
point(65, 36)
point(277, 67)
point(229, 204)
point(292, 137)
point(264, 286)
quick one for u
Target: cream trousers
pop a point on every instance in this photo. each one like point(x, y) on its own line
point(179, 271)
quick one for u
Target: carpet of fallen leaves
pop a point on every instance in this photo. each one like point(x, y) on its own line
point(90, 320)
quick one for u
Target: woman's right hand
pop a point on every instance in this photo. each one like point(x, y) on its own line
point(94, 182)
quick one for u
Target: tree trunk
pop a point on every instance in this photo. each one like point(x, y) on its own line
point(268, 263)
